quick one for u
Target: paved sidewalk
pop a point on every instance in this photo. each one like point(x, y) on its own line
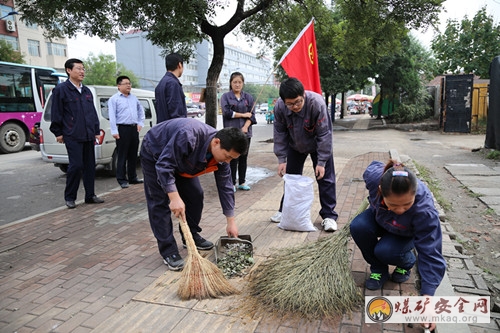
point(96, 268)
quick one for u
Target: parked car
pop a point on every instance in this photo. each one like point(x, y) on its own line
point(194, 110)
point(264, 108)
point(352, 107)
point(105, 148)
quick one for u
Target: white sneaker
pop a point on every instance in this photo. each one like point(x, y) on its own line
point(329, 224)
point(276, 218)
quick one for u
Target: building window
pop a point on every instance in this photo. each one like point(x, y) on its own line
point(4, 10)
point(34, 48)
point(56, 49)
point(12, 41)
point(33, 26)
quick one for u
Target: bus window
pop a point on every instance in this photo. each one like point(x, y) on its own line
point(16, 94)
point(23, 93)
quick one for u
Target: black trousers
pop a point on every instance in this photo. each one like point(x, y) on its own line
point(126, 147)
point(160, 217)
point(81, 157)
point(240, 165)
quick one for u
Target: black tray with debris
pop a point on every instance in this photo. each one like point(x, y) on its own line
point(234, 255)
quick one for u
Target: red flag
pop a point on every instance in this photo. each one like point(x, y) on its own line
point(301, 59)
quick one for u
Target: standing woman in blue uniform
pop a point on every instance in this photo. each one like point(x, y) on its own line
point(401, 217)
point(238, 111)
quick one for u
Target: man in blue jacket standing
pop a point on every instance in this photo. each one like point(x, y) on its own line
point(169, 96)
point(75, 123)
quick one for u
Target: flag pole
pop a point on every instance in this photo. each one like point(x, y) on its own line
point(262, 89)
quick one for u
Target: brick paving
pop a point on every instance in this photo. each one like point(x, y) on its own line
point(96, 268)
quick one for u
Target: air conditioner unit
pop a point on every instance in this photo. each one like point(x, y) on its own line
point(10, 25)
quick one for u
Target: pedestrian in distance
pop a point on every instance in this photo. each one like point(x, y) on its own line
point(401, 218)
point(126, 119)
point(302, 127)
point(238, 111)
point(169, 96)
point(74, 122)
point(173, 154)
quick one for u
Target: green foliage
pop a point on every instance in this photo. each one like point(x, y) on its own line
point(401, 77)
point(103, 70)
point(372, 29)
point(7, 53)
point(468, 46)
point(493, 155)
point(176, 25)
point(413, 110)
point(261, 93)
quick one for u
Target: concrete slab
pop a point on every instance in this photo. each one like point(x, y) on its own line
point(479, 181)
point(485, 191)
point(446, 289)
point(471, 169)
point(491, 200)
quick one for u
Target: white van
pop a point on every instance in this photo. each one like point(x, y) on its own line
point(105, 152)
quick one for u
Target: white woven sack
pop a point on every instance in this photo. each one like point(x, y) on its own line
point(299, 195)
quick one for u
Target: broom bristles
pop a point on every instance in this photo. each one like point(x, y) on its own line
point(312, 280)
point(201, 278)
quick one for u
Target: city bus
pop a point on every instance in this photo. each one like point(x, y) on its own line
point(23, 92)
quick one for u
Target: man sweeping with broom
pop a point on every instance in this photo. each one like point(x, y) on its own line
point(173, 154)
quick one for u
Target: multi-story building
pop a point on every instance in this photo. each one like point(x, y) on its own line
point(146, 60)
point(29, 40)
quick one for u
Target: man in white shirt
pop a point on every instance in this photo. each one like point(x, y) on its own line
point(126, 118)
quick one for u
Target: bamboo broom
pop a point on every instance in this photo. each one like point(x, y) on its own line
point(201, 278)
point(312, 280)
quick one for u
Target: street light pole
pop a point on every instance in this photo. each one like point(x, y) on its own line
point(9, 14)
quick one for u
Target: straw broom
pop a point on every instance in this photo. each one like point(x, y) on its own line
point(201, 278)
point(312, 280)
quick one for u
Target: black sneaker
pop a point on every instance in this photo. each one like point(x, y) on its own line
point(376, 281)
point(174, 262)
point(201, 243)
point(400, 275)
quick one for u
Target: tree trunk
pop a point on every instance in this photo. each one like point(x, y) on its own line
point(343, 107)
point(211, 98)
point(379, 106)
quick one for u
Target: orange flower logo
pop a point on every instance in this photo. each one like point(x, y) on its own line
point(311, 53)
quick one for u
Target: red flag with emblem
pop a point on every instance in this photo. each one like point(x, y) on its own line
point(301, 59)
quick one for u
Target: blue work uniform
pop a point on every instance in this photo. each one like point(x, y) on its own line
point(73, 115)
point(173, 153)
point(386, 238)
point(303, 133)
point(170, 99)
point(230, 105)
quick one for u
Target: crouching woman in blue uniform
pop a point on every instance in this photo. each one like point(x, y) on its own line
point(401, 217)
point(173, 154)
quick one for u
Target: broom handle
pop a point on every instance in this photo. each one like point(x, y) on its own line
point(345, 231)
point(188, 237)
point(362, 207)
